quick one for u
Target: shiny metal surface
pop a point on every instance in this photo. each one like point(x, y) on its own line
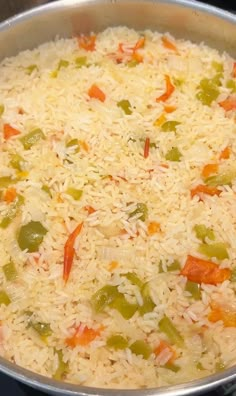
point(184, 19)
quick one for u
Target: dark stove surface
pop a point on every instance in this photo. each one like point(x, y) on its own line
point(10, 387)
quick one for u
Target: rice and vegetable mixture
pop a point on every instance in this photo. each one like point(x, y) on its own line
point(118, 228)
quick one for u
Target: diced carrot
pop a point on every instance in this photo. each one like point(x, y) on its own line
point(9, 131)
point(209, 169)
point(159, 121)
point(113, 265)
point(168, 44)
point(203, 271)
point(225, 154)
point(140, 43)
point(121, 48)
point(96, 93)
point(87, 42)
point(146, 147)
point(202, 189)
point(166, 166)
point(169, 109)
point(169, 90)
point(21, 111)
point(217, 313)
point(83, 336)
point(84, 145)
point(137, 57)
point(10, 195)
point(163, 345)
point(153, 228)
point(69, 252)
point(229, 103)
point(234, 70)
point(89, 209)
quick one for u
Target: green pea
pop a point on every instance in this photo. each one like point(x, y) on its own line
point(31, 236)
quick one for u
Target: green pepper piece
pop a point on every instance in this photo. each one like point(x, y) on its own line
point(203, 232)
point(43, 329)
point(199, 366)
point(217, 250)
point(62, 63)
point(173, 155)
point(167, 327)
point(81, 61)
point(74, 193)
point(148, 304)
point(178, 82)
point(32, 138)
point(4, 298)
point(2, 108)
point(12, 212)
point(117, 342)
point(170, 126)
point(219, 67)
point(220, 180)
point(217, 79)
point(10, 271)
point(62, 367)
point(142, 210)
point(231, 84)
point(125, 106)
point(132, 63)
point(140, 347)
point(29, 69)
point(46, 189)
point(73, 143)
point(134, 279)
point(194, 289)
point(16, 162)
point(103, 297)
point(208, 93)
point(175, 266)
point(173, 367)
point(31, 236)
point(6, 181)
point(126, 309)
point(233, 275)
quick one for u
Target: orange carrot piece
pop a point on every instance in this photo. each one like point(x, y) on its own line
point(83, 336)
point(202, 189)
point(234, 70)
point(225, 154)
point(209, 169)
point(137, 57)
point(218, 313)
point(146, 147)
point(140, 44)
point(96, 93)
point(9, 131)
point(69, 252)
point(169, 109)
point(164, 345)
point(153, 228)
point(87, 42)
point(159, 121)
point(84, 145)
point(229, 103)
point(203, 271)
point(89, 209)
point(169, 90)
point(168, 44)
point(10, 195)
point(166, 166)
point(113, 265)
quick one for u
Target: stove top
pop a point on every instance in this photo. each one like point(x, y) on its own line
point(9, 386)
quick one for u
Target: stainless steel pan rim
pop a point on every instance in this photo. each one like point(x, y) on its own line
point(60, 388)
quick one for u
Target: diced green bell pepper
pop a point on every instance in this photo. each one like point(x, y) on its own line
point(117, 342)
point(217, 250)
point(32, 138)
point(167, 327)
point(31, 236)
point(140, 347)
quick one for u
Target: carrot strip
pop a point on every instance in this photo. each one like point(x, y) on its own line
point(113, 265)
point(225, 154)
point(89, 209)
point(209, 169)
point(168, 44)
point(96, 93)
point(203, 271)
point(87, 42)
point(83, 336)
point(229, 103)
point(202, 189)
point(69, 252)
point(169, 109)
point(146, 147)
point(140, 44)
point(163, 345)
point(169, 90)
point(218, 313)
point(137, 57)
point(10, 195)
point(153, 228)
point(9, 131)
point(84, 145)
